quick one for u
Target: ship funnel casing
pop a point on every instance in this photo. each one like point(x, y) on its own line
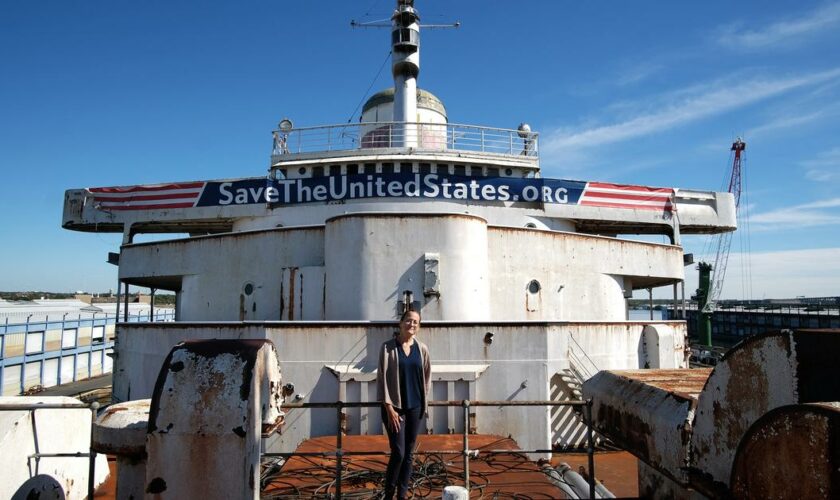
point(380, 107)
point(390, 252)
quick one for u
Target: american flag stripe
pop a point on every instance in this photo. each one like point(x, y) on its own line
point(601, 194)
point(180, 195)
point(146, 207)
point(157, 187)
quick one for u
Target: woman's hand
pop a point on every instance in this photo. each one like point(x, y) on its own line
point(393, 418)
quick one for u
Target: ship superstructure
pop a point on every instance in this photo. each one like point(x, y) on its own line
point(522, 280)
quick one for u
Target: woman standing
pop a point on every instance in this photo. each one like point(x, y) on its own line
point(403, 385)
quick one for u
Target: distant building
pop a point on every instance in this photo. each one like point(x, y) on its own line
point(56, 341)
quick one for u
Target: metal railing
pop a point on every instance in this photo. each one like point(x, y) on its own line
point(579, 362)
point(37, 456)
point(465, 452)
point(32, 344)
point(422, 136)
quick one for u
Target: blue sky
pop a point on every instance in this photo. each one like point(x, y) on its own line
point(99, 93)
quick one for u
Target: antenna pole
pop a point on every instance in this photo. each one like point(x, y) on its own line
point(405, 50)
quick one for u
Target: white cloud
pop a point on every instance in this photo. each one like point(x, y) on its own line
point(785, 122)
point(688, 106)
point(774, 274)
point(818, 175)
point(825, 167)
point(830, 203)
point(785, 31)
point(783, 274)
point(637, 73)
point(816, 213)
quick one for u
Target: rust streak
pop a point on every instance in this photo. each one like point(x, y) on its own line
point(292, 272)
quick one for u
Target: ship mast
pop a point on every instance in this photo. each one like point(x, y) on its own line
point(405, 50)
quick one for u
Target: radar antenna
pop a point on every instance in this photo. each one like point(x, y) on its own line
point(405, 66)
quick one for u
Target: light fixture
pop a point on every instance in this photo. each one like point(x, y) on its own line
point(285, 125)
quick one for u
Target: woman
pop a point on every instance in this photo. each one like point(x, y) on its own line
point(403, 385)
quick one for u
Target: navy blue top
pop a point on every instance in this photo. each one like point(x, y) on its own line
point(411, 377)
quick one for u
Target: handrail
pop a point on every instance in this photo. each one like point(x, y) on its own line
point(90, 455)
point(420, 135)
point(339, 452)
point(465, 451)
point(583, 372)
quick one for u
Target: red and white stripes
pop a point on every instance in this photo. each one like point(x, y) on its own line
point(602, 194)
point(160, 196)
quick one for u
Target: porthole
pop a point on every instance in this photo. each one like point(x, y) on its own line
point(508, 172)
point(534, 287)
point(302, 170)
point(248, 289)
point(531, 225)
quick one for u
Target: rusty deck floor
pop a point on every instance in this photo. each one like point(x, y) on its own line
point(508, 475)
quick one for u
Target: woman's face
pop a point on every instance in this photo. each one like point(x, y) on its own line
point(410, 324)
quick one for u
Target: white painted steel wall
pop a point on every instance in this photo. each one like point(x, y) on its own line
point(518, 364)
point(581, 277)
point(497, 213)
point(358, 266)
point(372, 259)
point(214, 271)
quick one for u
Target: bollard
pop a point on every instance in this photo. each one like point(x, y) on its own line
point(213, 402)
point(121, 431)
point(455, 493)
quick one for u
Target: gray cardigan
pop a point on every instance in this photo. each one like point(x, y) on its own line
point(388, 376)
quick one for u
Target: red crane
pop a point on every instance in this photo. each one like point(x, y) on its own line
point(725, 239)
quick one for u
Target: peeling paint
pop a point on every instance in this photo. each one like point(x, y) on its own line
point(223, 396)
point(702, 416)
point(756, 376)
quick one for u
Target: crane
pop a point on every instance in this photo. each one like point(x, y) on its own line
point(712, 275)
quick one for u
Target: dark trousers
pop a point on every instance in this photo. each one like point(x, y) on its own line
point(402, 442)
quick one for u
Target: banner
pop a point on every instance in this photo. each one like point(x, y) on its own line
point(279, 192)
point(403, 185)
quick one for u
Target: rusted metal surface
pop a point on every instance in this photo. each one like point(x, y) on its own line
point(121, 431)
point(503, 474)
point(791, 452)
point(210, 404)
point(687, 424)
point(108, 489)
point(121, 428)
point(756, 376)
point(685, 383)
point(648, 412)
